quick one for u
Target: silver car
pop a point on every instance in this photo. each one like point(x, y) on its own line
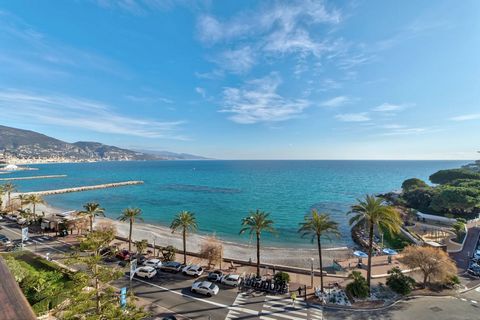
point(205, 287)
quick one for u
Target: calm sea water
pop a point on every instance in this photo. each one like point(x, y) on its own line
point(222, 192)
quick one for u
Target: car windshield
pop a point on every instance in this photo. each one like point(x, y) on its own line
point(212, 286)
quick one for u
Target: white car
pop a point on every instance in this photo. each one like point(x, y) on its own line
point(155, 263)
point(146, 272)
point(193, 270)
point(231, 280)
point(205, 287)
point(477, 254)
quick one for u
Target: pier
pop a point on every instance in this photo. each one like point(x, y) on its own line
point(84, 188)
point(35, 177)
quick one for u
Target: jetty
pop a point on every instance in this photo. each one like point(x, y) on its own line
point(35, 177)
point(83, 188)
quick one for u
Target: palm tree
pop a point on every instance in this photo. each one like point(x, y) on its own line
point(8, 188)
point(317, 225)
point(374, 213)
point(256, 223)
point(92, 210)
point(22, 199)
point(130, 215)
point(33, 200)
point(186, 221)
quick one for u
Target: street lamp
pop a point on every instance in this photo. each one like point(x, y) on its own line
point(154, 241)
point(311, 278)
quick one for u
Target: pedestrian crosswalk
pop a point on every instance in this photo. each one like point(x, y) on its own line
point(238, 310)
point(276, 307)
point(273, 308)
point(40, 239)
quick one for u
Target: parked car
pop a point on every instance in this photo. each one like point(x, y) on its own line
point(231, 280)
point(476, 255)
point(215, 276)
point(140, 258)
point(155, 263)
point(4, 240)
point(193, 270)
point(123, 255)
point(171, 266)
point(146, 272)
point(205, 287)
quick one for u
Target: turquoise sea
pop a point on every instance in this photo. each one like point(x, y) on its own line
point(222, 192)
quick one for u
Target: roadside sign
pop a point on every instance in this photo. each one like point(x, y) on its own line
point(133, 267)
point(123, 297)
point(24, 234)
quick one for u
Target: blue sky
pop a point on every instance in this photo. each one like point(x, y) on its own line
point(247, 79)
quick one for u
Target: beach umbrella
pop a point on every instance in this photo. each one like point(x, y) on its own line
point(360, 254)
point(390, 252)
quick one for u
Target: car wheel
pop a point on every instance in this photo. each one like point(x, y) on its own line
point(194, 291)
point(184, 273)
point(209, 294)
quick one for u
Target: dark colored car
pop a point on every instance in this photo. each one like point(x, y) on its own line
point(171, 266)
point(123, 255)
point(140, 258)
point(215, 276)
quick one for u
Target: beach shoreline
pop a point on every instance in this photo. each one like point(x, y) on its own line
point(288, 256)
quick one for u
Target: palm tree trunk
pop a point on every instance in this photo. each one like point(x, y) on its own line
point(184, 246)
point(320, 261)
point(35, 211)
point(130, 236)
point(97, 290)
point(370, 250)
point(258, 254)
point(9, 206)
point(91, 223)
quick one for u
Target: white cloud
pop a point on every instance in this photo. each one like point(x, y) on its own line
point(238, 60)
point(71, 112)
point(353, 117)
point(389, 107)
point(467, 117)
point(258, 101)
point(335, 102)
point(148, 99)
point(406, 131)
point(275, 30)
point(201, 91)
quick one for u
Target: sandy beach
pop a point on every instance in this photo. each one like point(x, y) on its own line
point(297, 257)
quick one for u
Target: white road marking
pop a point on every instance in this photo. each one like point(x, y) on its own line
point(217, 304)
point(473, 301)
point(463, 299)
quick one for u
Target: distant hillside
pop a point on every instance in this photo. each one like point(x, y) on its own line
point(174, 156)
point(18, 144)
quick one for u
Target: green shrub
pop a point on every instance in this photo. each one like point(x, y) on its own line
point(399, 282)
point(449, 176)
point(359, 287)
point(282, 276)
point(168, 253)
point(413, 183)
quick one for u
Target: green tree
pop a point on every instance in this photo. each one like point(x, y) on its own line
point(130, 215)
point(399, 282)
point(457, 200)
point(413, 183)
point(92, 210)
point(359, 287)
point(8, 188)
point(256, 223)
point(34, 199)
point(168, 253)
point(375, 213)
point(450, 175)
point(459, 228)
point(187, 222)
point(317, 225)
point(141, 246)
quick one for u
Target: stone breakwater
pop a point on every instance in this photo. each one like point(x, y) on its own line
point(84, 188)
point(35, 177)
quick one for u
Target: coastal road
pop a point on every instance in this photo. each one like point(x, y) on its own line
point(170, 293)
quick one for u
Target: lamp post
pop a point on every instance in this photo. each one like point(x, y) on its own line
point(311, 274)
point(154, 243)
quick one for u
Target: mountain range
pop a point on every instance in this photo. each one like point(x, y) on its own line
point(25, 145)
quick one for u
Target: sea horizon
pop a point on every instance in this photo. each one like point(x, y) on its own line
point(221, 192)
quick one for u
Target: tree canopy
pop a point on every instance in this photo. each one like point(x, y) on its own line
point(450, 175)
point(413, 183)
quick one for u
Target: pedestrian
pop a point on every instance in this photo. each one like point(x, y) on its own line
point(294, 298)
point(299, 291)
